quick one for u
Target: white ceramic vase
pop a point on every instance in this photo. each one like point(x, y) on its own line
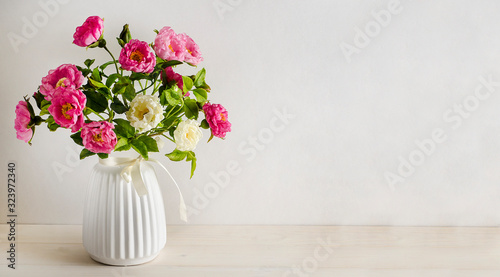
point(120, 227)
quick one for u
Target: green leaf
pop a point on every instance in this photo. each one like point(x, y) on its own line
point(211, 137)
point(138, 76)
point(199, 79)
point(96, 101)
point(191, 157)
point(170, 63)
point(129, 92)
point(124, 87)
point(122, 145)
point(111, 79)
point(96, 75)
point(204, 124)
point(103, 155)
point(169, 122)
point(150, 143)
point(45, 107)
point(123, 128)
point(172, 95)
point(85, 71)
point(120, 42)
point(200, 94)
point(37, 120)
point(106, 64)
point(118, 106)
point(191, 109)
point(205, 87)
point(140, 147)
point(97, 84)
point(193, 168)
point(38, 99)
point(86, 153)
point(77, 138)
point(30, 108)
point(89, 62)
point(153, 75)
point(125, 35)
point(177, 155)
point(93, 45)
point(163, 98)
point(106, 92)
point(119, 88)
point(188, 84)
point(51, 124)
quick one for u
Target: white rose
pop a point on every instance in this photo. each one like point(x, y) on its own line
point(145, 112)
point(187, 135)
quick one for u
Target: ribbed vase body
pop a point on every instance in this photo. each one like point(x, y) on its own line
point(120, 227)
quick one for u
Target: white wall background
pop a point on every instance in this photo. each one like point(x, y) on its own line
point(353, 117)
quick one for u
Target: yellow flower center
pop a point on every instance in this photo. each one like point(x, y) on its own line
point(136, 56)
point(190, 52)
point(60, 83)
point(171, 49)
point(65, 108)
point(97, 137)
point(140, 113)
point(222, 117)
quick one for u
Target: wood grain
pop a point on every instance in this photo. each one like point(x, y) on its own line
point(55, 250)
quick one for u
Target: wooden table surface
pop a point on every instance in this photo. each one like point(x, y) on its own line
point(56, 250)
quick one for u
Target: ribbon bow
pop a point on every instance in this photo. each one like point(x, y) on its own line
point(132, 173)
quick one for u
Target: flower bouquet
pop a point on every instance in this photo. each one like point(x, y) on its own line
point(120, 105)
point(129, 103)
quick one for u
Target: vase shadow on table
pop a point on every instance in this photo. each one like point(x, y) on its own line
point(63, 254)
point(74, 253)
point(67, 254)
point(70, 255)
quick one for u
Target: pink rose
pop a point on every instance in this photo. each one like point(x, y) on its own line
point(89, 32)
point(137, 56)
point(66, 75)
point(216, 116)
point(169, 46)
point(67, 108)
point(22, 121)
point(99, 137)
point(193, 54)
point(171, 77)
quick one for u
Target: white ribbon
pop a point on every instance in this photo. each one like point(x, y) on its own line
point(132, 173)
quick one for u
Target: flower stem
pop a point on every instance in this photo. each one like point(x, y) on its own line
point(86, 116)
point(96, 114)
point(111, 54)
point(142, 90)
point(168, 138)
point(155, 88)
point(168, 114)
point(111, 115)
